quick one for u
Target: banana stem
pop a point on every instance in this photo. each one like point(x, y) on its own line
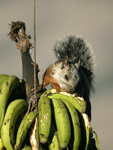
point(28, 72)
point(18, 34)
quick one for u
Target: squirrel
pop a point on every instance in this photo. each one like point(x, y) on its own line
point(73, 72)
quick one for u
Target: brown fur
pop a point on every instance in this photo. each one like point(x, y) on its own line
point(48, 78)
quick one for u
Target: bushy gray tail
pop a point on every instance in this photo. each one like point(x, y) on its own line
point(76, 49)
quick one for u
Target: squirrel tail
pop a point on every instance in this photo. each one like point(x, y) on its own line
point(76, 49)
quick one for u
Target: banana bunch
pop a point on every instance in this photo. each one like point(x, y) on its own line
point(14, 125)
point(60, 122)
point(7, 85)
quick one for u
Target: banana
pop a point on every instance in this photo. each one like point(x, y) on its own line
point(23, 128)
point(52, 130)
point(77, 102)
point(83, 131)
point(55, 143)
point(97, 141)
point(1, 145)
point(34, 135)
point(46, 92)
point(44, 108)
point(13, 112)
point(18, 93)
point(74, 143)
point(37, 133)
point(89, 136)
point(3, 77)
point(27, 148)
point(88, 130)
point(5, 90)
point(62, 122)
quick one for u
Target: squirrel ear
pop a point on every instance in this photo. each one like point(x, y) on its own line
point(64, 63)
point(77, 65)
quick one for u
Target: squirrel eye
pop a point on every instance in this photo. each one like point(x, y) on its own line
point(66, 77)
point(62, 67)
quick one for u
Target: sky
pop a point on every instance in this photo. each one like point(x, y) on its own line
point(55, 19)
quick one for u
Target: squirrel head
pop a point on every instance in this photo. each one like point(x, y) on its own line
point(66, 75)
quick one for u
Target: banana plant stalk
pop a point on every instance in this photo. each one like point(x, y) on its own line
point(18, 34)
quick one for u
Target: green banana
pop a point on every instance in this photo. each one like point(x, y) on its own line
point(88, 130)
point(1, 145)
point(79, 104)
point(75, 140)
point(27, 148)
point(55, 143)
point(3, 77)
point(23, 128)
point(97, 141)
point(18, 93)
point(83, 131)
point(5, 90)
point(34, 135)
point(62, 122)
point(13, 112)
point(46, 92)
point(52, 130)
point(37, 134)
point(88, 136)
point(44, 107)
